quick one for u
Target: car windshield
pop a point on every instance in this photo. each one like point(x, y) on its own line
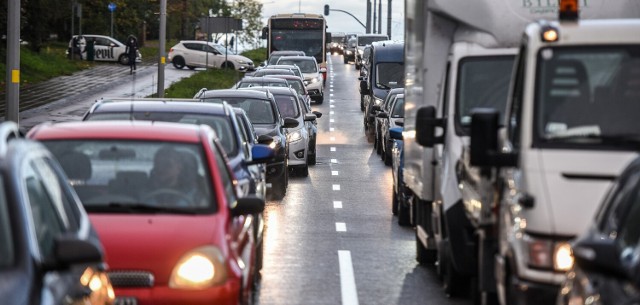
point(398, 108)
point(483, 82)
point(287, 105)
point(363, 40)
point(258, 111)
point(589, 95)
point(305, 65)
point(223, 50)
point(296, 85)
point(389, 75)
point(7, 255)
point(117, 176)
point(220, 123)
point(261, 84)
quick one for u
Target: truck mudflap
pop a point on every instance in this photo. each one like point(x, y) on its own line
point(461, 235)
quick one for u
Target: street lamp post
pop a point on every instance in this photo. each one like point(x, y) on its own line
point(112, 8)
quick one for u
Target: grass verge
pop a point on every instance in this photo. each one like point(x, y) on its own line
point(210, 79)
point(257, 55)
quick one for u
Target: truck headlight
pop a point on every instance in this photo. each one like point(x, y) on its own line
point(548, 254)
point(360, 52)
point(377, 101)
point(200, 268)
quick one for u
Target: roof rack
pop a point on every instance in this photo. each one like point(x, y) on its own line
point(8, 130)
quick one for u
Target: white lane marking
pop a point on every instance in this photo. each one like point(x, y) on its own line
point(333, 149)
point(331, 112)
point(330, 94)
point(334, 173)
point(337, 204)
point(331, 101)
point(331, 129)
point(332, 138)
point(332, 106)
point(341, 227)
point(331, 120)
point(334, 161)
point(336, 187)
point(331, 90)
point(347, 280)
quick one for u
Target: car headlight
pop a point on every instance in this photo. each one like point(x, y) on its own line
point(275, 143)
point(200, 268)
point(349, 52)
point(314, 80)
point(549, 254)
point(294, 136)
point(242, 62)
point(377, 101)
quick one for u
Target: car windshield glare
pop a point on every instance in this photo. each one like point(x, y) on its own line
point(220, 123)
point(306, 66)
point(137, 176)
point(258, 111)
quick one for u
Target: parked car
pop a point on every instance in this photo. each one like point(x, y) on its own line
point(49, 251)
point(379, 121)
point(167, 187)
point(262, 81)
point(313, 79)
point(275, 55)
point(290, 106)
point(394, 118)
point(606, 256)
point(198, 53)
point(105, 48)
point(270, 126)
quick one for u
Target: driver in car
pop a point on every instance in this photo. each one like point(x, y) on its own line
point(172, 181)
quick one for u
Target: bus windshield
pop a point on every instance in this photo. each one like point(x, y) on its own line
point(309, 41)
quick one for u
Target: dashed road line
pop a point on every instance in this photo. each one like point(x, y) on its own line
point(337, 204)
point(347, 280)
point(341, 227)
point(336, 187)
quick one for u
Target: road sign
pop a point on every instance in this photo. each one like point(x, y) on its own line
point(112, 7)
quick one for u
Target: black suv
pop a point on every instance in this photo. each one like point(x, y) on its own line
point(45, 233)
point(269, 125)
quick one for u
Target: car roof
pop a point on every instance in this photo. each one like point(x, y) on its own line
point(280, 66)
point(120, 130)
point(261, 79)
point(244, 93)
point(277, 90)
point(297, 58)
point(287, 52)
point(286, 76)
point(159, 106)
point(396, 91)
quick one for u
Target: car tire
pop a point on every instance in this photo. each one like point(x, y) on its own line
point(311, 155)
point(320, 100)
point(386, 153)
point(228, 65)
point(404, 215)
point(453, 283)
point(278, 190)
point(379, 147)
point(361, 102)
point(424, 256)
point(394, 203)
point(191, 67)
point(178, 62)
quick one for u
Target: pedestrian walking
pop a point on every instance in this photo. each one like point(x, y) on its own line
point(132, 51)
point(90, 49)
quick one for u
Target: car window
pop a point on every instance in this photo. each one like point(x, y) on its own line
point(193, 46)
point(47, 220)
point(228, 181)
point(297, 85)
point(398, 108)
point(7, 255)
point(306, 66)
point(100, 41)
point(220, 123)
point(258, 111)
point(287, 105)
point(124, 176)
point(244, 135)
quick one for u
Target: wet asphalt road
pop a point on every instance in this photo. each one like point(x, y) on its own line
point(338, 221)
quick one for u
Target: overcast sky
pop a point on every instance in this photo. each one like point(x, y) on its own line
point(338, 21)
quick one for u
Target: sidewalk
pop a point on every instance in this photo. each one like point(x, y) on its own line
point(67, 98)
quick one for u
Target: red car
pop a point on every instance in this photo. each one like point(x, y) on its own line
point(163, 201)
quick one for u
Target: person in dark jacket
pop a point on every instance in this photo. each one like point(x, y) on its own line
point(90, 49)
point(132, 51)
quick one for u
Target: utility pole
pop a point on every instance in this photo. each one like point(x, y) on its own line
point(161, 51)
point(379, 16)
point(13, 62)
point(374, 16)
point(389, 19)
point(368, 27)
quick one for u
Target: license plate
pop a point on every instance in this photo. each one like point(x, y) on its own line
point(126, 301)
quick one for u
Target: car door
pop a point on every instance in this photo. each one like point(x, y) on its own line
point(194, 55)
point(103, 49)
point(214, 58)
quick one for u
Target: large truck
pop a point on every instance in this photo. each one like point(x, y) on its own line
point(469, 50)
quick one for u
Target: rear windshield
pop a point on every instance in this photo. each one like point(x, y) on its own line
point(258, 111)
point(116, 176)
point(261, 84)
point(305, 65)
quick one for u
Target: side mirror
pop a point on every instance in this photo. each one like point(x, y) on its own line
point(247, 206)
point(265, 139)
point(382, 115)
point(69, 250)
point(317, 113)
point(484, 141)
point(599, 255)
point(399, 122)
point(290, 123)
point(261, 153)
point(309, 117)
point(426, 124)
point(396, 133)
point(364, 89)
point(323, 70)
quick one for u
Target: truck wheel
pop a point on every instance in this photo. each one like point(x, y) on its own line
point(424, 256)
point(404, 216)
point(453, 283)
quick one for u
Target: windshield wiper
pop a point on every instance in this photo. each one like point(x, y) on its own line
point(383, 86)
point(134, 208)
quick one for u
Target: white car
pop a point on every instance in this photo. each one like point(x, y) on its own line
point(312, 74)
point(197, 53)
point(106, 49)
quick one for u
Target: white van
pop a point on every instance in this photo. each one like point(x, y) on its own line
point(105, 49)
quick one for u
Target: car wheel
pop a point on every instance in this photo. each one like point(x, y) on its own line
point(378, 147)
point(453, 283)
point(404, 215)
point(424, 256)
point(278, 190)
point(386, 153)
point(311, 155)
point(191, 67)
point(123, 59)
point(346, 61)
point(361, 102)
point(375, 143)
point(178, 62)
point(320, 100)
point(228, 65)
point(394, 203)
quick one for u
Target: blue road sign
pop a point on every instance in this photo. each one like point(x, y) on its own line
point(112, 7)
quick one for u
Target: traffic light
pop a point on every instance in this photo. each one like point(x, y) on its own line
point(326, 9)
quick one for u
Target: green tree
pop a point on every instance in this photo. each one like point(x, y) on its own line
point(250, 12)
